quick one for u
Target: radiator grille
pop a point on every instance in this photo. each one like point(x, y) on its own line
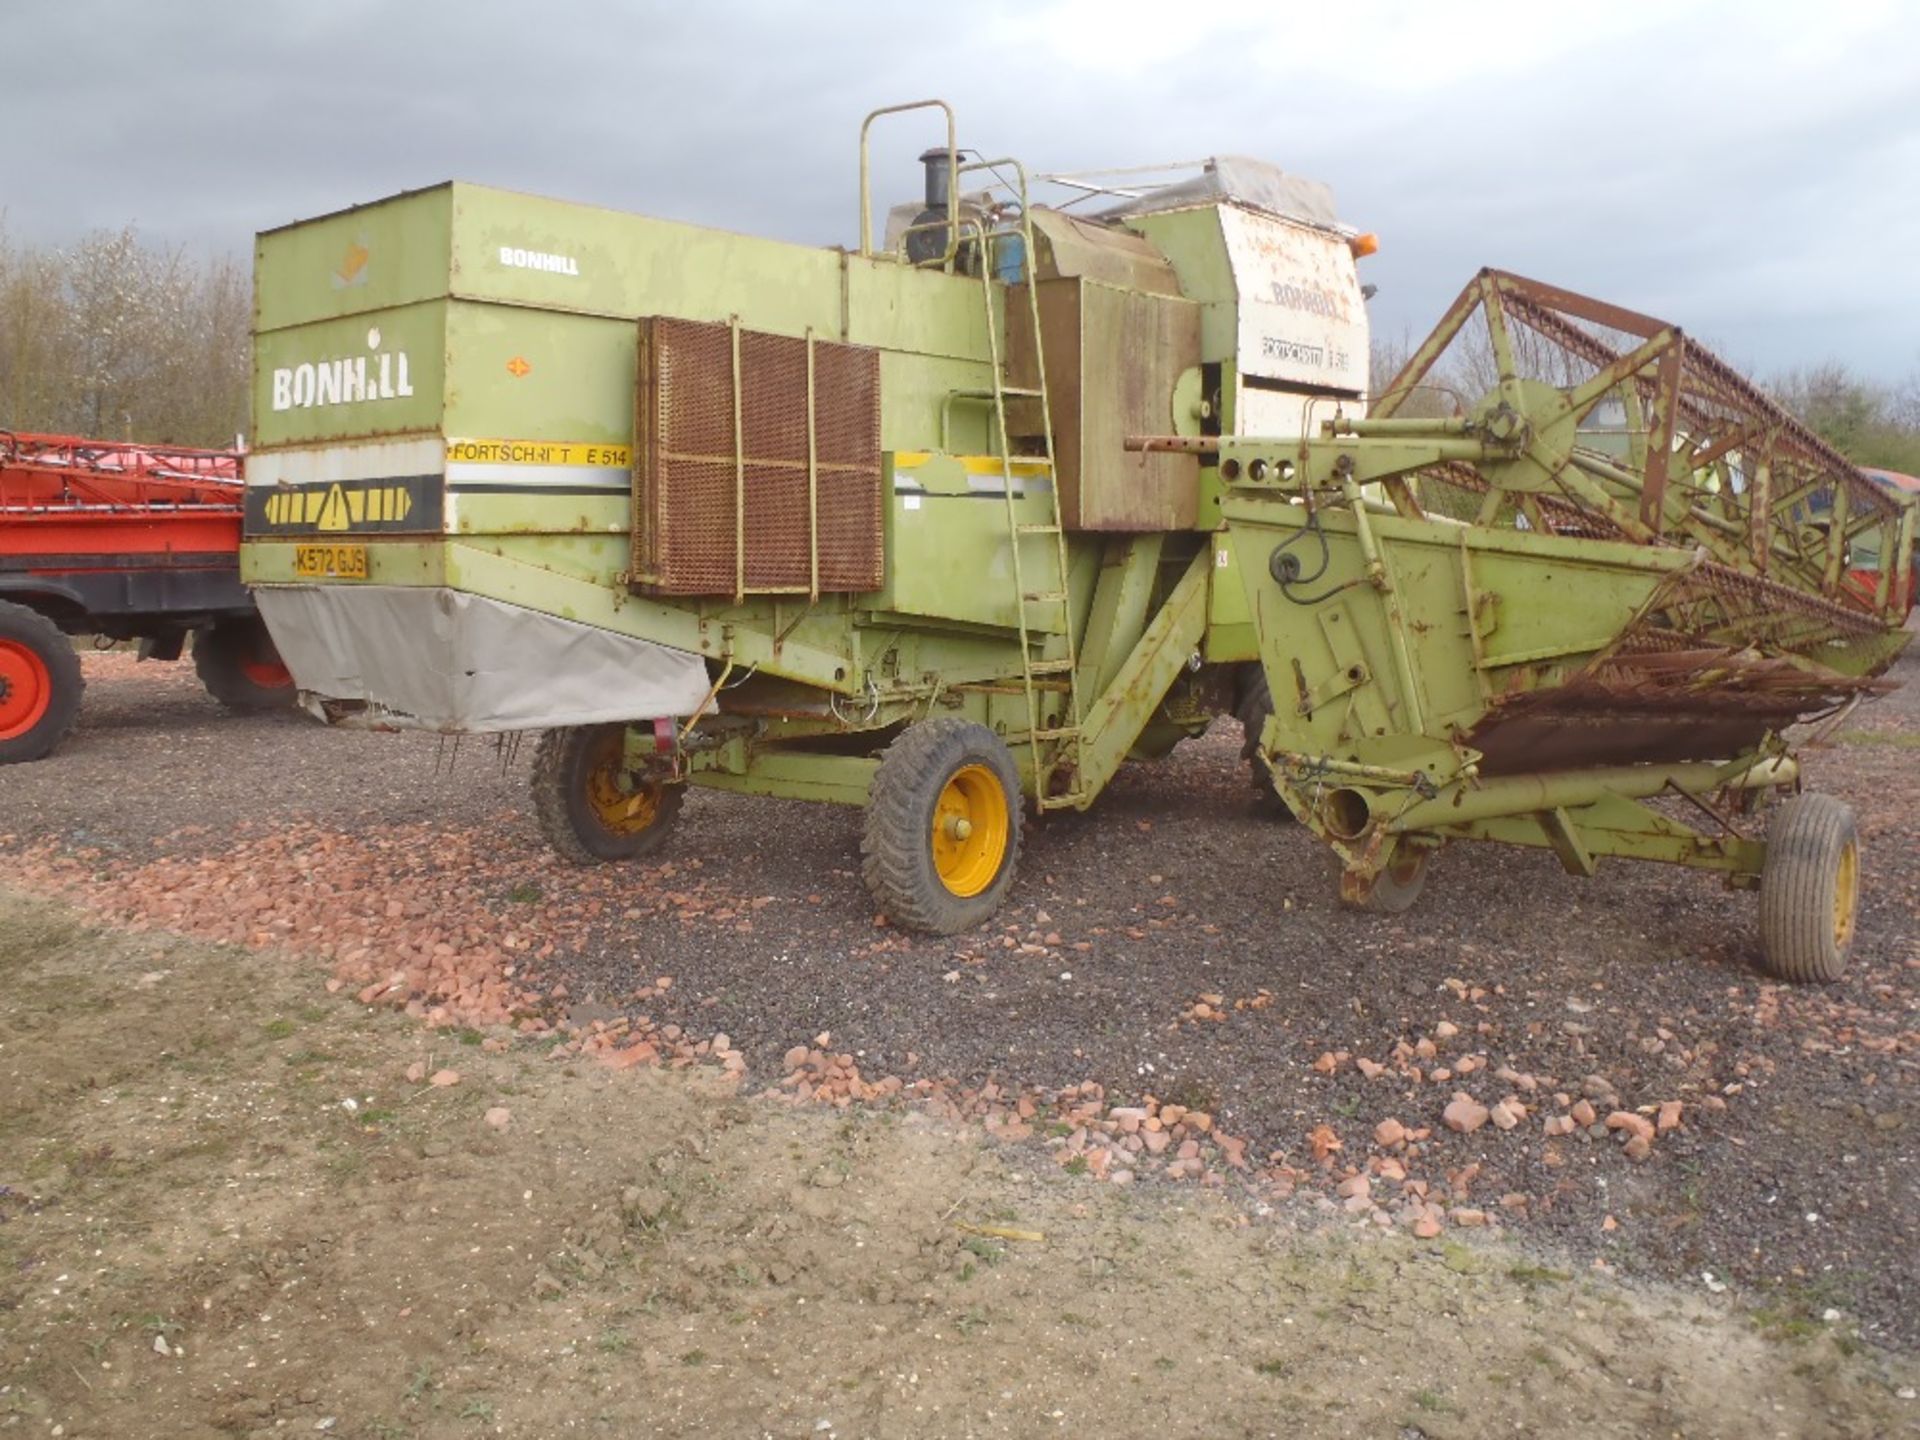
point(691, 534)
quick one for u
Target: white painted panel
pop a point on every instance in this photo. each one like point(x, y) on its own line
point(320, 464)
point(1303, 319)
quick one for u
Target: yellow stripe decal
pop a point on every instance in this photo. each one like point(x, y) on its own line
point(538, 452)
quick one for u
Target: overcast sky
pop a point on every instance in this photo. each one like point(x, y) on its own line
point(1751, 171)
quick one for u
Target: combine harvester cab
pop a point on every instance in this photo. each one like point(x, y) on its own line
point(862, 526)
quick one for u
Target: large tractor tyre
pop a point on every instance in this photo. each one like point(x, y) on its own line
point(237, 662)
point(1256, 704)
point(591, 808)
point(1810, 889)
point(1395, 888)
point(40, 685)
point(943, 826)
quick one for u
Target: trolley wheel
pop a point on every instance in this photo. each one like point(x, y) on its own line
point(1395, 888)
point(943, 826)
point(1256, 704)
point(40, 684)
point(590, 806)
point(237, 662)
point(1809, 889)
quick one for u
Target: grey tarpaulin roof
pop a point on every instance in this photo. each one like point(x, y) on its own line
point(1240, 179)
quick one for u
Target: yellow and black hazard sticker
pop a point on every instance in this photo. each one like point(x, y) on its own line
point(399, 504)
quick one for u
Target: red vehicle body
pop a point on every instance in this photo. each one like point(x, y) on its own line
point(131, 542)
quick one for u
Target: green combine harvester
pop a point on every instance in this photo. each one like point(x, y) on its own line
point(952, 525)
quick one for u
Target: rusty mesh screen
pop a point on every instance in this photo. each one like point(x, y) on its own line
point(688, 519)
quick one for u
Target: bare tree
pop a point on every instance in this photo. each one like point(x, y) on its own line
point(116, 338)
point(1870, 424)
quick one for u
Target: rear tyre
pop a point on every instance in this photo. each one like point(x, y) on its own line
point(1810, 890)
point(236, 661)
point(943, 826)
point(40, 685)
point(592, 809)
point(1256, 704)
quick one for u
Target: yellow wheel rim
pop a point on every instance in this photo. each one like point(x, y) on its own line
point(1846, 895)
point(970, 828)
point(622, 806)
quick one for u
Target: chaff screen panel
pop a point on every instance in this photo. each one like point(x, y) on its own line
point(756, 463)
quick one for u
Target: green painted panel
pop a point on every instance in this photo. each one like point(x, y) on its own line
point(515, 373)
point(897, 307)
point(359, 376)
point(557, 255)
point(1193, 241)
point(554, 255)
point(375, 257)
point(1230, 634)
point(1547, 604)
point(913, 389)
point(949, 554)
point(541, 513)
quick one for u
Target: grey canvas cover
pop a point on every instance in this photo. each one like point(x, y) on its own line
point(436, 659)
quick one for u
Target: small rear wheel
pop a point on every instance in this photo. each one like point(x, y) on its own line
point(40, 685)
point(943, 826)
point(1394, 889)
point(591, 807)
point(237, 662)
point(1810, 889)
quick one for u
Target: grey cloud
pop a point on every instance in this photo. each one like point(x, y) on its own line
point(1687, 171)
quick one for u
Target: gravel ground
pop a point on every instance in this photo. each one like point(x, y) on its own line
point(1172, 944)
point(228, 1211)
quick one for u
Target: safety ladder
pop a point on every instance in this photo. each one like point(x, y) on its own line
point(1055, 741)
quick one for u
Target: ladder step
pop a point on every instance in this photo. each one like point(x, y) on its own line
point(1041, 528)
point(1069, 801)
point(1045, 597)
point(1020, 392)
point(1050, 667)
point(1064, 732)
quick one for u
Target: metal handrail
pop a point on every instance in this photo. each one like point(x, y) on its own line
point(866, 182)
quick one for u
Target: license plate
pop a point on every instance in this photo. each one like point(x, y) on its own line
point(330, 562)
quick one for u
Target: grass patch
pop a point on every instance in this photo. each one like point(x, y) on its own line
point(988, 1252)
point(1536, 1275)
